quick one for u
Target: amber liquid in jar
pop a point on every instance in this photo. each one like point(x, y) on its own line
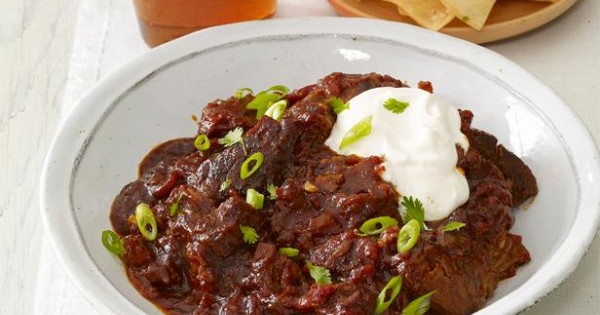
point(163, 20)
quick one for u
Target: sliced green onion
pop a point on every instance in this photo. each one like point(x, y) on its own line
point(272, 189)
point(418, 306)
point(175, 206)
point(146, 222)
point(247, 171)
point(277, 89)
point(262, 102)
point(255, 199)
point(225, 185)
point(241, 93)
point(383, 301)
point(202, 143)
point(408, 236)
point(265, 99)
point(321, 275)
point(451, 226)
point(376, 225)
point(249, 234)
point(395, 106)
point(113, 243)
point(360, 130)
point(289, 251)
point(276, 110)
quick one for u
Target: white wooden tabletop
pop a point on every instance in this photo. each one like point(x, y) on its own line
point(53, 51)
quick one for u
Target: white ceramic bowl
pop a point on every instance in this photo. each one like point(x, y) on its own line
point(98, 148)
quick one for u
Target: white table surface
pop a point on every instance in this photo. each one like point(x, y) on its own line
point(53, 51)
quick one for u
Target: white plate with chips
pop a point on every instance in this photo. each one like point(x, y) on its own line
point(507, 18)
point(150, 100)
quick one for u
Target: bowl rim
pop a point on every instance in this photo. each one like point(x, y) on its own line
point(75, 132)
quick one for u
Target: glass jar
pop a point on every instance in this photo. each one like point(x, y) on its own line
point(163, 20)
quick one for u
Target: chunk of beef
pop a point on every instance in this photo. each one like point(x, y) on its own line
point(201, 264)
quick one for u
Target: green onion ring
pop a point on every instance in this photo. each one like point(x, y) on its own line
point(113, 243)
point(276, 110)
point(202, 143)
point(245, 170)
point(408, 236)
point(241, 93)
point(376, 225)
point(277, 89)
point(266, 98)
point(395, 284)
point(146, 222)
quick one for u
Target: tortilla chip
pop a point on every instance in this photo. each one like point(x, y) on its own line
point(431, 14)
point(402, 12)
point(473, 12)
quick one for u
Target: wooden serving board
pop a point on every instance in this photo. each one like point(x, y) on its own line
point(507, 19)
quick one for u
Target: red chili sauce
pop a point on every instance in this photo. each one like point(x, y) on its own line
point(200, 263)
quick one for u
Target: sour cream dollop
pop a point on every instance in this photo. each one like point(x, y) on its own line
point(418, 145)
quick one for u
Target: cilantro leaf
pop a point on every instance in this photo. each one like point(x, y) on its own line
point(451, 226)
point(232, 137)
point(414, 210)
point(249, 234)
point(338, 105)
point(395, 106)
point(272, 190)
point(320, 274)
